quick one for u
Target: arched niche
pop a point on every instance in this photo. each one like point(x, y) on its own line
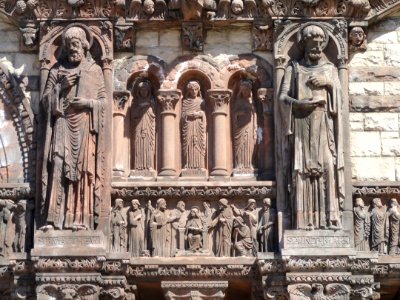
point(251, 68)
point(136, 70)
point(202, 126)
point(287, 49)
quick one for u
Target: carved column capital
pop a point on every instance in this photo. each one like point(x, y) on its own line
point(280, 62)
point(220, 100)
point(168, 100)
point(199, 290)
point(120, 103)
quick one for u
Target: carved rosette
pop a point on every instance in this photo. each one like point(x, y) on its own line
point(220, 100)
point(168, 100)
point(120, 103)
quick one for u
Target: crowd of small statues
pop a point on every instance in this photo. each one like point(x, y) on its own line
point(224, 231)
point(376, 228)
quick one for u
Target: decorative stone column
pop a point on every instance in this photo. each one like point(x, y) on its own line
point(195, 290)
point(266, 97)
point(120, 109)
point(168, 100)
point(220, 107)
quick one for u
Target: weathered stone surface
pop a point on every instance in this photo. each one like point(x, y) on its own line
point(377, 73)
point(370, 89)
point(373, 168)
point(366, 144)
point(357, 121)
point(382, 121)
point(368, 58)
point(374, 103)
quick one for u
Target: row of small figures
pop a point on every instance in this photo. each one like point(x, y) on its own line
point(376, 227)
point(223, 231)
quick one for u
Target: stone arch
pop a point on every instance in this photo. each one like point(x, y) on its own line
point(17, 108)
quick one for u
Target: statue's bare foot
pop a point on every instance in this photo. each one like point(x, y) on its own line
point(46, 228)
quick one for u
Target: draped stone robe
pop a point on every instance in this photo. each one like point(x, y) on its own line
point(136, 220)
point(74, 147)
point(362, 226)
point(314, 142)
point(223, 232)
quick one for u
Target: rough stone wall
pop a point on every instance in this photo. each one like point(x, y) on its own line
point(375, 95)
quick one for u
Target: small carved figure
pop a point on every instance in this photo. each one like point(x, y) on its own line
point(29, 35)
point(144, 122)
point(118, 227)
point(250, 217)
point(394, 223)
point(6, 207)
point(311, 99)
point(237, 7)
point(223, 223)
point(192, 10)
point(358, 39)
point(244, 128)
point(148, 9)
point(160, 227)
point(74, 99)
point(207, 217)
point(266, 227)
point(243, 241)
point(193, 128)
point(136, 219)
point(21, 222)
point(362, 226)
point(180, 215)
point(379, 227)
point(194, 230)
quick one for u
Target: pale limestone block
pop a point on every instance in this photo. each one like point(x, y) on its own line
point(381, 121)
point(389, 135)
point(375, 47)
point(366, 88)
point(392, 55)
point(397, 168)
point(390, 24)
point(29, 61)
point(241, 36)
point(368, 58)
point(147, 38)
point(168, 54)
point(239, 48)
point(170, 38)
point(392, 88)
point(217, 37)
point(391, 147)
point(373, 168)
point(383, 37)
point(356, 121)
point(365, 144)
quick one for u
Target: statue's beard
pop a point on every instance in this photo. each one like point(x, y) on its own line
point(75, 57)
point(315, 55)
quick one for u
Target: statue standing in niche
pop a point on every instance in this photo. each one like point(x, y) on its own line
point(223, 223)
point(244, 129)
point(394, 223)
point(311, 97)
point(21, 223)
point(194, 230)
point(6, 206)
point(160, 228)
point(193, 128)
point(136, 219)
point(74, 99)
point(243, 241)
point(362, 226)
point(118, 227)
point(266, 227)
point(144, 122)
point(379, 227)
point(250, 217)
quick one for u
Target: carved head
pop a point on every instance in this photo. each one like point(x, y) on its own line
point(245, 88)
point(148, 7)
point(359, 202)
point(69, 294)
point(251, 204)
point(161, 204)
point(181, 206)
point(76, 44)
point(193, 89)
point(377, 202)
point(194, 212)
point(223, 203)
point(135, 204)
point(237, 6)
point(393, 203)
point(119, 203)
point(29, 35)
point(357, 36)
point(314, 40)
point(144, 89)
point(267, 202)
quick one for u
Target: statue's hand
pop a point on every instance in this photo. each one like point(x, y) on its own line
point(319, 80)
point(81, 103)
point(68, 81)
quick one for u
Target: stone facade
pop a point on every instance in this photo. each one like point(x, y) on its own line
point(199, 149)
